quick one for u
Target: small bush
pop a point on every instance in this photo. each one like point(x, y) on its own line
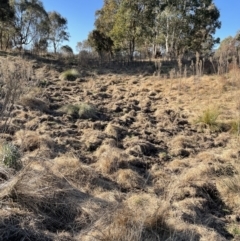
point(82, 111)
point(70, 75)
point(10, 155)
point(209, 117)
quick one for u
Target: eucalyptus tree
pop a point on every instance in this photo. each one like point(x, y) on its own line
point(203, 20)
point(189, 25)
point(133, 24)
point(175, 25)
point(29, 15)
point(100, 42)
point(229, 46)
point(57, 29)
point(40, 40)
point(105, 17)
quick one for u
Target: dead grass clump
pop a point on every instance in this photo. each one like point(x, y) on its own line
point(34, 104)
point(52, 200)
point(129, 179)
point(15, 226)
point(92, 139)
point(114, 131)
point(71, 75)
point(182, 146)
point(74, 171)
point(229, 188)
point(138, 147)
point(140, 217)
point(108, 162)
point(28, 140)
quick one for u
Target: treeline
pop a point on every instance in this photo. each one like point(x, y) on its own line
point(173, 27)
point(25, 23)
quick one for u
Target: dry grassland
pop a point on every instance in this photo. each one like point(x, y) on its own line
point(120, 157)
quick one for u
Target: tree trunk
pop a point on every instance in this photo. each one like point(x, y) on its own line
point(131, 49)
point(55, 47)
point(167, 38)
point(1, 39)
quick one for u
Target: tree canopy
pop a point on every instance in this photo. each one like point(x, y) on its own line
point(176, 26)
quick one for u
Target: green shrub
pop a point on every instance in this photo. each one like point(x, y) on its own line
point(82, 111)
point(70, 75)
point(10, 155)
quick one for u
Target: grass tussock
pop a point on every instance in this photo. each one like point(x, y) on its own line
point(235, 127)
point(82, 111)
point(128, 178)
point(28, 140)
point(209, 118)
point(229, 188)
point(70, 75)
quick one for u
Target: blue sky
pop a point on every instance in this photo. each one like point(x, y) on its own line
point(81, 16)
